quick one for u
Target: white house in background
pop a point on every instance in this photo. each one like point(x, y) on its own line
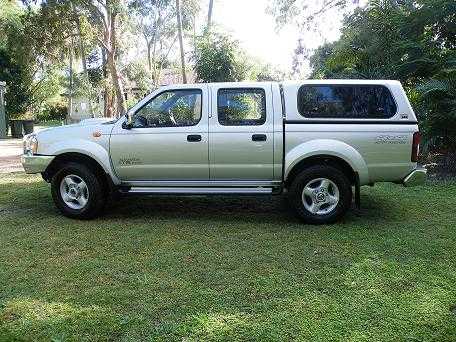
point(174, 76)
point(80, 108)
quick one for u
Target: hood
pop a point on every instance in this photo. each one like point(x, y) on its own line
point(74, 136)
point(94, 121)
point(85, 129)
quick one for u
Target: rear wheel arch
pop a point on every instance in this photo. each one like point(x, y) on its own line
point(329, 160)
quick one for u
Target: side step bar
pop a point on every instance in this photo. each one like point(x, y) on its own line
point(197, 191)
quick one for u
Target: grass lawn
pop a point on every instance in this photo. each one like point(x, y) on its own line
point(228, 269)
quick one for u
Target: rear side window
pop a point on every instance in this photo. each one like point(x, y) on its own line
point(346, 102)
point(241, 107)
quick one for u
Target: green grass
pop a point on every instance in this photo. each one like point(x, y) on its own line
point(228, 269)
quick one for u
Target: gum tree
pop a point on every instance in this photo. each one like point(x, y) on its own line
point(62, 20)
point(156, 21)
point(107, 16)
point(307, 16)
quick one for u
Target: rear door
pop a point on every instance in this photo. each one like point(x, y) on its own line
point(241, 132)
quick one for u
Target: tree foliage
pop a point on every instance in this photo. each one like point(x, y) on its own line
point(29, 59)
point(267, 73)
point(312, 18)
point(304, 13)
point(154, 20)
point(101, 34)
point(219, 58)
point(438, 99)
point(413, 41)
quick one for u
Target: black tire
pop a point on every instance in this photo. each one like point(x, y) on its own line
point(96, 194)
point(315, 172)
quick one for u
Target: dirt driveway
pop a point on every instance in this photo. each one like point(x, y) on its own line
point(10, 155)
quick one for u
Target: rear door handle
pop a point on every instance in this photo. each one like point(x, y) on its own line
point(259, 137)
point(194, 138)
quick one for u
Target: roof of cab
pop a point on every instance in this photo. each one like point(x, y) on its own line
point(340, 81)
point(285, 83)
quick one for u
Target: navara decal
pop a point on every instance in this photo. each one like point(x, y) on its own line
point(129, 161)
point(391, 139)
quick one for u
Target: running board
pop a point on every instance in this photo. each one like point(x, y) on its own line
point(197, 191)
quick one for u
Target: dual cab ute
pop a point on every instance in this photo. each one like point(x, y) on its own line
point(314, 140)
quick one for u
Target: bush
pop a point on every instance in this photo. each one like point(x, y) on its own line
point(56, 111)
point(438, 119)
point(219, 58)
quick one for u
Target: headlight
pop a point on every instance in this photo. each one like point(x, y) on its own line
point(30, 144)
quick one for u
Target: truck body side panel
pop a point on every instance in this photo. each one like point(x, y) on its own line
point(382, 151)
point(379, 150)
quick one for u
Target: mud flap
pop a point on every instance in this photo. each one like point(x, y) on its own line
point(357, 192)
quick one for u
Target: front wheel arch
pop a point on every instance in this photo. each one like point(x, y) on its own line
point(73, 157)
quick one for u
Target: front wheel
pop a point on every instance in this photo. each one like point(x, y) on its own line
point(321, 194)
point(77, 192)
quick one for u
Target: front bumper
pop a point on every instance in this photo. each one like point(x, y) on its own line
point(416, 177)
point(35, 164)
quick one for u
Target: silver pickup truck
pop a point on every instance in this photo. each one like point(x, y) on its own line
point(313, 140)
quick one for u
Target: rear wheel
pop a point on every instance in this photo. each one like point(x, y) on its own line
point(77, 192)
point(321, 194)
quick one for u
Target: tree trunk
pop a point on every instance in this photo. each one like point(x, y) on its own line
point(118, 87)
point(154, 59)
point(70, 90)
point(107, 111)
point(84, 64)
point(209, 15)
point(121, 105)
point(149, 57)
point(160, 64)
point(181, 40)
point(108, 98)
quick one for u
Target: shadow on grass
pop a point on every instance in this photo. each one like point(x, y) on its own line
point(29, 194)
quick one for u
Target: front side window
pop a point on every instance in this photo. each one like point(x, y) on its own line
point(346, 102)
point(173, 108)
point(241, 107)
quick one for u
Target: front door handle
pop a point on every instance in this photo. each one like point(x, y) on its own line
point(194, 138)
point(259, 137)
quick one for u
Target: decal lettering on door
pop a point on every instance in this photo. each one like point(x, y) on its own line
point(129, 161)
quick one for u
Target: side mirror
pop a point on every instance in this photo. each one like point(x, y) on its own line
point(128, 124)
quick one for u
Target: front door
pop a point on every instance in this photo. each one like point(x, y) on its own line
point(241, 133)
point(168, 140)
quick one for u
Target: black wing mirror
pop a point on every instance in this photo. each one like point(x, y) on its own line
point(128, 123)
